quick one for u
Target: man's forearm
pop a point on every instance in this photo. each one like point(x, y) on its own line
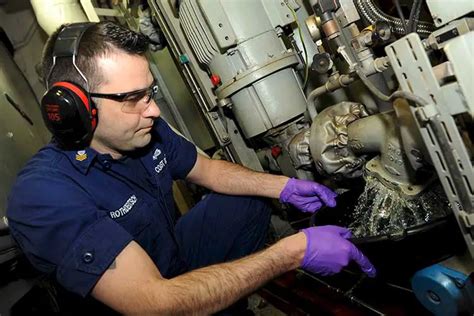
point(210, 289)
point(230, 178)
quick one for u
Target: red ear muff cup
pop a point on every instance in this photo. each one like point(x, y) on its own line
point(67, 114)
point(81, 93)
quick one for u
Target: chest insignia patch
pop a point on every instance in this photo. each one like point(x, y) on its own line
point(81, 155)
point(125, 208)
point(156, 154)
point(161, 165)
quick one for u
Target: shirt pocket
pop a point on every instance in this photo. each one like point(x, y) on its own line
point(133, 216)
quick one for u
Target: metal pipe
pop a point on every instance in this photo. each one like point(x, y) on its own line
point(368, 135)
point(335, 82)
point(387, 98)
point(379, 133)
point(53, 13)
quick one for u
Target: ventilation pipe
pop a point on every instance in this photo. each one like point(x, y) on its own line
point(53, 13)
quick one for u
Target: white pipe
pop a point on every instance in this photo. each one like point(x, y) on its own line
point(53, 13)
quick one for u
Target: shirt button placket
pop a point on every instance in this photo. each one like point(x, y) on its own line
point(106, 164)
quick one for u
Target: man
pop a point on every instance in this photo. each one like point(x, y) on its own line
point(100, 220)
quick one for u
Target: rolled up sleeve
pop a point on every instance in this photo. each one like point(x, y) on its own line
point(91, 254)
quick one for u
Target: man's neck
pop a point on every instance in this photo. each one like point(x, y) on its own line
point(102, 149)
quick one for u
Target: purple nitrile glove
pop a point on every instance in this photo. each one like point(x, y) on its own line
point(308, 196)
point(328, 251)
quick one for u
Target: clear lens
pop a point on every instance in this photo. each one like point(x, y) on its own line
point(139, 102)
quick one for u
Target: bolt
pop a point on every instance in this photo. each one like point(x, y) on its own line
point(458, 283)
point(225, 139)
point(434, 297)
point(417, 154)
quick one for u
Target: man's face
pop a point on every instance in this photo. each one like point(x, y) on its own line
point(119, 131)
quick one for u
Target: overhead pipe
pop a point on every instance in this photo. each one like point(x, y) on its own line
point(51, 14)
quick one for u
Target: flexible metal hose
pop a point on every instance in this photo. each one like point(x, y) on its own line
point(372, 14)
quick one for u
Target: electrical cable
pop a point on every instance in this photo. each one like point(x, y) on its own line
point(300, 33)
point(417, 15)
point(400, 14)
point(412, 15)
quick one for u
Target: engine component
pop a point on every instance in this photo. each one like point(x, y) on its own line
point(322, 63)
point(298, 148)
point(440, 37)
point(444, 291)
point(243, 47)
point(329, 140)
point(312, 23)
point(373, 35)
point(379, 134)
point(350, 135)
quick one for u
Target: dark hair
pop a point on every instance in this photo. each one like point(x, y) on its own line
point(99, 40)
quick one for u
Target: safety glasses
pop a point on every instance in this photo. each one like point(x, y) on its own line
point(132, 102)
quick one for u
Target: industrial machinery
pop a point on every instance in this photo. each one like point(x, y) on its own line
point(371, 97)
point(399, 113)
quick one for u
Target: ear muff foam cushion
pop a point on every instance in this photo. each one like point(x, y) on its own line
point(67, 113)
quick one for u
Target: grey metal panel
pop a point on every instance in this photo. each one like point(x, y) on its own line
point(197, 32)
point(218, 22)
point(268, 103)
point(444, 11)
point(247, 18)
point(19, 140)
point(279, 14)
point(463, 67)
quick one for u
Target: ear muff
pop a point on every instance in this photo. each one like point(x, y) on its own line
point(66, 107)
point(69, 113)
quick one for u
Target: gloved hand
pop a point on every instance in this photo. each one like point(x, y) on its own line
point(308, 196)
point(328, 251)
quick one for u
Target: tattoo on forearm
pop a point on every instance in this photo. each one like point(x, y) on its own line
point(113, 265)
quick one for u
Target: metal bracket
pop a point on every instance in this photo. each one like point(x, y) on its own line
point(437, 124)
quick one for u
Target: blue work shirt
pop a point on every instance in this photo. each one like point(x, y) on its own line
point(73, 212)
